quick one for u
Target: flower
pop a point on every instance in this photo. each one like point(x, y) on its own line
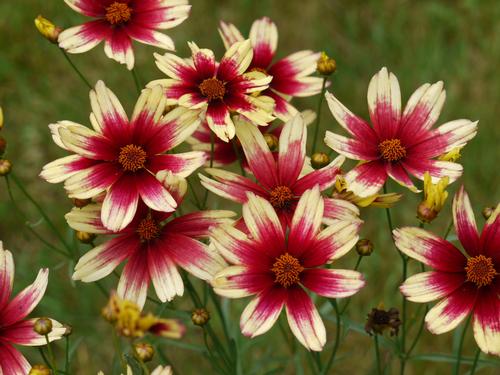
point(47, 29)
point(291, 75)
point(398, 145)
point(379, 320)
point(278, 181)
point(160, 370)
point(118, 22)
point(217, 89)
point(122, 157)
point(434, 198)
point(154, 248)
point(465, 284)
point(276, 269)
point(14, 328)
point(128, 320)
point(325, 65)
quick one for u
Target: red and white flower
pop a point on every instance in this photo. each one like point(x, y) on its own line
point(153, 246)
point(291, 75)
point(122, 157)
point(278, 180)
point(277, 268)
point(398, 144)
point(118, 22)
point(465, 283)
point(15, 329)
point(217, 90)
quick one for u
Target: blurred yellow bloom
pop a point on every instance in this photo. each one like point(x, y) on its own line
point(48, 30)
point(1, 118)
point(129, 321)
point(434, 198)
point(160, 370)
point(341, 191)
point(452, 155)
point(326, 65)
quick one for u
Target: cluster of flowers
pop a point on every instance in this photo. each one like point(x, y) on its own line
point(130, 183)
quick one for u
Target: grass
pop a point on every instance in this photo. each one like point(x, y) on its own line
point(420, 41)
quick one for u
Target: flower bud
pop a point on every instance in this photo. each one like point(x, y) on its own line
point(272, 141)
point(68, 330)
point(425, 213)
point(326, 65)
point(80, 203)
point(364, 247)
point(48, 30)
point(379, 320)
point(5, 167)
point(200, 317)
point(85, 237)
point(487, 211)
point(319, 160)
point(144, 352)
point(43, 326)
point(39, 370)
point(3, 145)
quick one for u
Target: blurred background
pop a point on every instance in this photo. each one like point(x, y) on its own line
point(420, 41)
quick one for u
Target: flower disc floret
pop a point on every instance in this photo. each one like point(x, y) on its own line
point(392, 150)
point(132, 158)
point(118, 13)
point(212, 89)
point(281, 197)
point(287, 269)
point(148, 229)
point(480, 270)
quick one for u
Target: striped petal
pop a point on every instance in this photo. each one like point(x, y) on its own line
point(351, 148)
point(304, 320)
point(12, 362)
point(366, 179)
point(22, 333)
point(429, 286)
point(332, 283)
point(182, 165)
point(85, 7)
point(86, 219)
point(324, 177)
point(79, 39)
point(134, 281)
point(465, 223)
point(198, 224)
point(490, 238)
point(61, 169)
point(154, 194)
point(175, 67)
point(176, 126)
point(165, 277)
point(264, 37)
point(118, 46)
point(6, 275)
point(162, 14)
point(429, 249)
point(230, 185)
point(437, 168)
point(234, 245)
point(339, 210)
point(236, 60)
point(399, 174)
point(151, 37)
point(120, 204)
point(86, 142)
point(92, 181)
point(229, 34)
point(219, 121)
point(292, 150)
point(240, 281)
point(487, 323)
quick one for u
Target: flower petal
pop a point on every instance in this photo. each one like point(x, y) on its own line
point(166, 279)
point(332, 283)
point(182, 165)
point(86, 142)
point(79, 39)
point(241, 281)
point(465, 223)
point(292, 150)
point(436, 168)
point(264, 37)
point(92, 181)
point(339, 210)
point(490, 238)
point(236, 60)
point(154, 194)
point(366, 179)
point(487, 322)
point(198, 224)
point(229, 34)
point(351, 148)
point(12, 362)
point(151, 37)
point(22, 333)
point(118, 46)
point(86, 219)
point(324, 177)
point(429, 286)
point(6, 275)
point(134, 281)
point(219, 120)
point(120, 204)
point(61, 169)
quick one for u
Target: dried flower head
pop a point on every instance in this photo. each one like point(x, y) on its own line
point(80, 203)
point(48, 30)
point(1, 118)
point(326, 65)
point(379, 320)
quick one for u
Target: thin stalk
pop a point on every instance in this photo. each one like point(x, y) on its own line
point(419, 332)
point(82, 77)
point(118, 350)
point(44, 357)
point(220, 313)
point(448, 229)
point(52, 358)
point(317, 360)
point(66, 364)
point(377, 355)
point(333, 302)
point(318, 115)
point(240, 158)
point(349, 299)
point(137, 81)
point(144, 368)
point(474, 364)
point(212, 153)
point(197, 200)
point(460, 345)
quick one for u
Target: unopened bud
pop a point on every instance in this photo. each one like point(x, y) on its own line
point(85, 237)
point(80, 203)
point(43, 326)
point(487, 211)
point(200, 317)
point(5, 167)
point(48, 30)
point(68, 330)
point(144, 352)
point(319, 160)
point(364, 247)
point(426, 214)
point(272, 141)
point(3, 145)
point(39, 370)
point(326, 65)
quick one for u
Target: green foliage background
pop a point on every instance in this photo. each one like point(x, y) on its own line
point(420, 41)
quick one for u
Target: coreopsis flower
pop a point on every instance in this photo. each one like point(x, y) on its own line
point(129, 321)
point(153, 246)
point(278, 268)
point(278, 180)
point(435, 196)
point(118, 22)
point(399, 145)
point(216, 90)
point(15, 329)
point(466, 282)
point(291, 75)
point(122, 157)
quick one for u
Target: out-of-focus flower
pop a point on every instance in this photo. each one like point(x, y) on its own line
point(379, 320)
point(452, 155)
point(291, 75)
point(39, 370)
point(122, 157)
point(465, 283)
point(121, 21)
point(216, 90)
point(152, 246)
point(5, 167)
point(275, 267)
point(200, 317)
point(128, 320)
point(325, 65)
point(143, 351)
point(278, 180)
point(1, 118)
point(48, 30)
point(364, 247)
point(14, 328)
point(399, 144)
point(434, 198)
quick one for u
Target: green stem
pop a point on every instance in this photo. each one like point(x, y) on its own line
point(317, 360)
point(460, 345)
point(377, 355)
point(448, 229)
point(333, 302)
point(66, 364)
point(44, 357)
point(52, 358)
point(82, 77)
point(220, 313)
point(419, 332)
point(118, 350)
point(197, 200)
point(137, 81)
point(240, 158)
point(212, 152)
point(349, 299)
point(474, 364)
point(144, 368)
point(318, 115)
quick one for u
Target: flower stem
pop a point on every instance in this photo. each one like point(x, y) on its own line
point(377, 355)
point(66, 364)
point(52, 359)
point(419, 332)
point(338, 316)
point(82, 77)
point(318, 115)
point(240, 158)
point(118, 350)
point(137, 81)
point(349, 299)
point(448, 229)
point(460, 345)
point(212, 152)
point(474, 364)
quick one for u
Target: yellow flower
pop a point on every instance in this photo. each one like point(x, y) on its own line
point(326, 65)
point(434, 198)
point(48, 30)
point(452, 155)
point(342, 191)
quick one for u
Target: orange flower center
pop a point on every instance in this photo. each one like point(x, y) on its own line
point(392, 149)
point(132, 158)
point(287, 269)
point(118, 13)
point(281, 196)
point(148, 229)
point(212, 89)
point(480, 270)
